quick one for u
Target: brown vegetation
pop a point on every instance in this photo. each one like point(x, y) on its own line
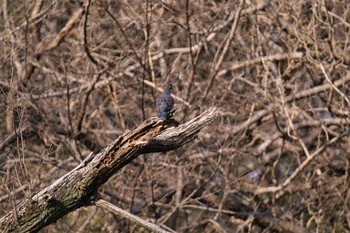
point(77, 76)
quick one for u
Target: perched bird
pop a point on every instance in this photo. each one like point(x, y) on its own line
point(165, 102)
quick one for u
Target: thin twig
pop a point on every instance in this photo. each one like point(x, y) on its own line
point(273, 189)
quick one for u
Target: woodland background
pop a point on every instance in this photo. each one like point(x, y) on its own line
point(74, 75)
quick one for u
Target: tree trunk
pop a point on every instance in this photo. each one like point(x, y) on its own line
point(77, 188)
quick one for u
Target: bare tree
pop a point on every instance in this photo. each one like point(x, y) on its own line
point(77, 76)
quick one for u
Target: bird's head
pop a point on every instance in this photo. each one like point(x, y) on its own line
point(168, 88)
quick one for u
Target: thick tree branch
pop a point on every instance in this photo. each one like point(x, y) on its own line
point(76, 188)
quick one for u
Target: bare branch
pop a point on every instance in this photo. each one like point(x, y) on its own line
point(132, 218)
point(297, 171)
point(76, 188)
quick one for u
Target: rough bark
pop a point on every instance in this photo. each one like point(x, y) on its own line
point(77, 188)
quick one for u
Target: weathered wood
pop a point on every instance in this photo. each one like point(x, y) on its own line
point(130, 217)
point(76, 188)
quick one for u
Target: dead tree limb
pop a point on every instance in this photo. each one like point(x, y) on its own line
point(78, 187)
point(132, 218)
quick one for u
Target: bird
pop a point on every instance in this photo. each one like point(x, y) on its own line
point(165, 102)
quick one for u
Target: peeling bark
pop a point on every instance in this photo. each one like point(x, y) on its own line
point(77, 188)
